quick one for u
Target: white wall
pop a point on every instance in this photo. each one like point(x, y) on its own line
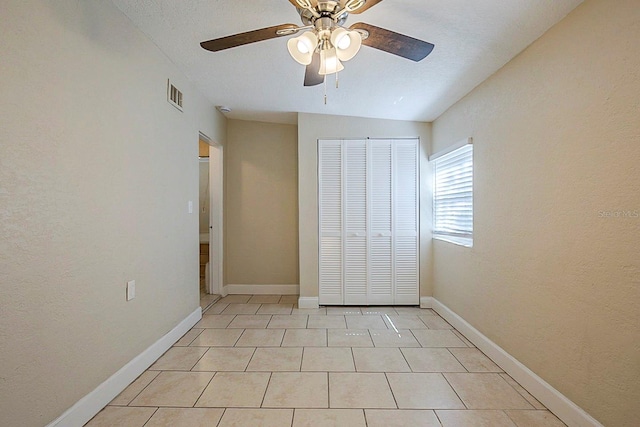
point(96, 170)
point(557, 143)
point(312, 127)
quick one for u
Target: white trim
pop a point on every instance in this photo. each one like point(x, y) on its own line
point(426, 302)
point(262, 289)
point(216, 213)
point(308, 302)
point(467, 242)
point(87, 407)
point(556, 402)
point(451, 148)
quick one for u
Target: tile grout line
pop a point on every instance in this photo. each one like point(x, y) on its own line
point(264, 396)
point(455, 391)
point(353, 359)
point(416, 338)
point(144, 388)
point(502, 374)
point(459, 361)
point(224, 411)
point(154, 412)
point(386, 377)
point(194, 338)
point(255, 350)
point(328, 392)
point(237, 339)
point(204, 389)
point(512, 387)
point(405, 359)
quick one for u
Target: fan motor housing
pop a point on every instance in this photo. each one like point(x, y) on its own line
point(325, 9)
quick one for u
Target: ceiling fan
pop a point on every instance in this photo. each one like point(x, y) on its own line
point(325, 41)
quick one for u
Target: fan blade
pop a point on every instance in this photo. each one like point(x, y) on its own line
point(368, 5)
point(395, 43)
point(312, 76)
point(235, 40)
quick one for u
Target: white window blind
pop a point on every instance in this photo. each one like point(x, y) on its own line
point(453, 194)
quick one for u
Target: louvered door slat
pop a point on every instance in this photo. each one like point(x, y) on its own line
point(330, 217)
point(331, 270)
point(355, 173)
point(380, 261)
point(406, 219)
point(380, 171)
point(406, 262)
point(406, 271)
point(355, 207)
point(355, 271)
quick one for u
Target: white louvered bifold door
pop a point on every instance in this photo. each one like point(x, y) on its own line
point(405, 222)
point(330, 217)
point(368, 214)
point(380, 211)
point(355, 222)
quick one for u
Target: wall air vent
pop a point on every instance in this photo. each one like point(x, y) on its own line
point(174, 96)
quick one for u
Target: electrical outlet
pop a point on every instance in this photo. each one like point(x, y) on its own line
point(131, 290)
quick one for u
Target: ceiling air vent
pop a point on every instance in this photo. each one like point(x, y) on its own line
point(174, 96)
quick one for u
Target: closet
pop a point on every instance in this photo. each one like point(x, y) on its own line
point(368, 222)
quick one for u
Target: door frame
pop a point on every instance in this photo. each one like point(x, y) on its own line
point(216, 227)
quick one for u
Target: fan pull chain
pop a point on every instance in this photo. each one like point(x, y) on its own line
point(325, 90)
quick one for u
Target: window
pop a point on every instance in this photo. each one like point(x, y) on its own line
point(453, 195)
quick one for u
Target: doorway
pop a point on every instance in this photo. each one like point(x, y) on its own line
point(210, 221)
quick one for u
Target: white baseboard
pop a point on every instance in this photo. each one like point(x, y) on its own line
point(559, 404)
point(262, 289)
point(87, 407)
point(426, 302)
point(308, 302)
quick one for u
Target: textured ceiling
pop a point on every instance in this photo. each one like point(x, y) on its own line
point(473, 38)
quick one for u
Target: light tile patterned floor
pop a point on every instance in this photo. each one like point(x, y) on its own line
point(260, 361)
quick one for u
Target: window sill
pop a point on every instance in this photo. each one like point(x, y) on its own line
point(467, 242)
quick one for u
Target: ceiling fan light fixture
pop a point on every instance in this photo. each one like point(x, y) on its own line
point(347, 43)
point(329, 62)
point(326, 41)
point(301, 48)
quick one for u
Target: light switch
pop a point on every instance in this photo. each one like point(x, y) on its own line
point(190, 207)
point(131, 290)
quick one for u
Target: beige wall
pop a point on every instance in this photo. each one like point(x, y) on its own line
point(96, 170)
point(203, 149)
point(261, 204)
point(557, 143)
point(312, 127)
